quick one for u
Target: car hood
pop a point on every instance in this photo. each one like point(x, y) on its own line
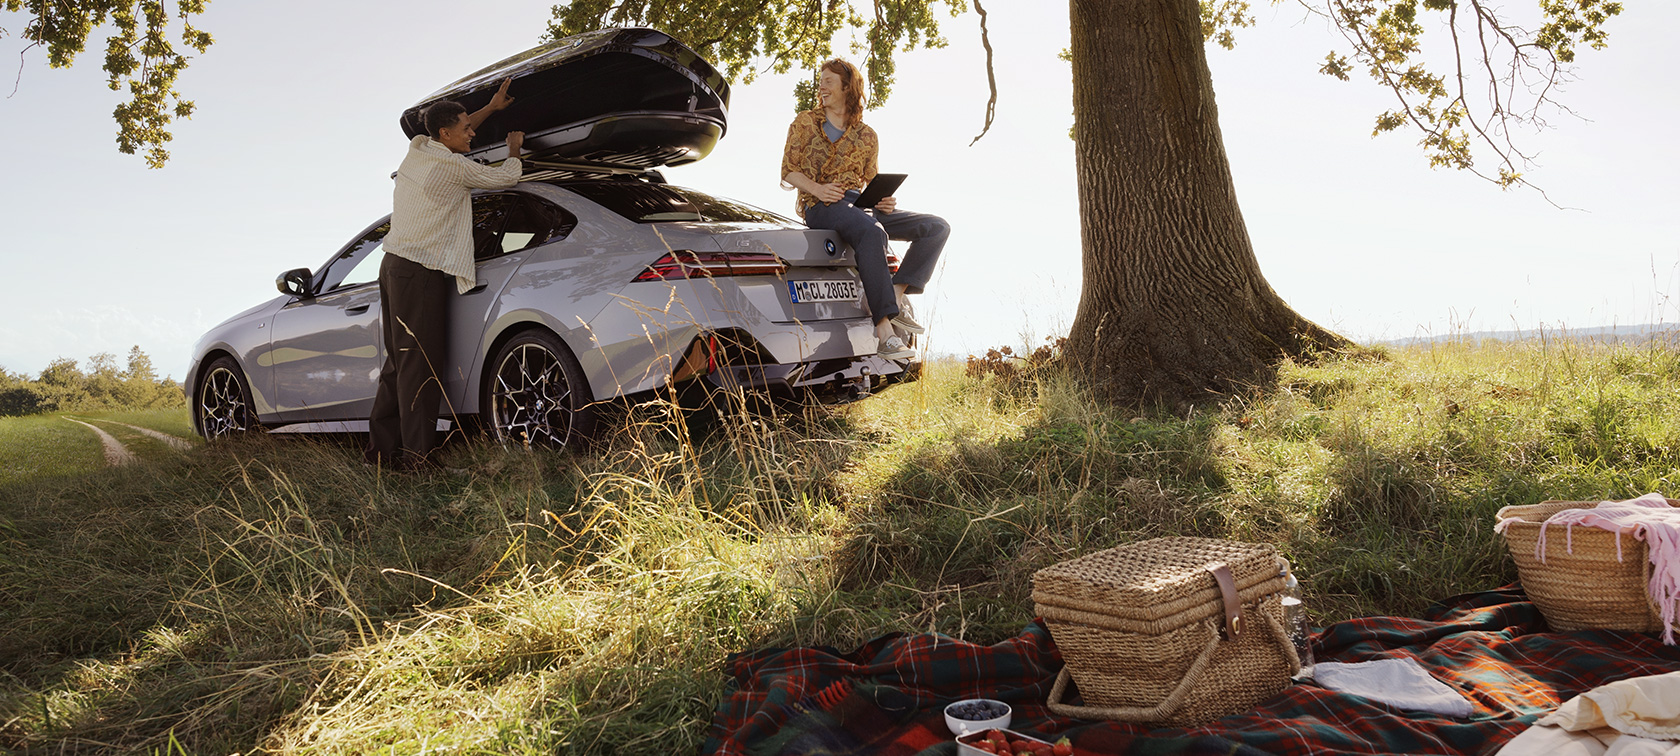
point(617, 98)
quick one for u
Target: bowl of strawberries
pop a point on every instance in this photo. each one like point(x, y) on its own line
point(1010, 743)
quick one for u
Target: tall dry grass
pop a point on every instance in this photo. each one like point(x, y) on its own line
point(275, 595)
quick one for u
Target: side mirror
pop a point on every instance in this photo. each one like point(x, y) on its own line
point(296, 282)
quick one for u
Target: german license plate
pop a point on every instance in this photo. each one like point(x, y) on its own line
point(824, 291)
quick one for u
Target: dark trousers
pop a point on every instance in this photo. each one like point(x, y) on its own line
point(867, 232)
point(414, 320)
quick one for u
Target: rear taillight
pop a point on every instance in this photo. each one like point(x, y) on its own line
point(685, 263)
point(892, 261)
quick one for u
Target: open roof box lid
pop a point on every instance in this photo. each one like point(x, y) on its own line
point(622, 100)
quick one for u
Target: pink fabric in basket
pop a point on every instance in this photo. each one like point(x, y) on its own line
point(1648, 518)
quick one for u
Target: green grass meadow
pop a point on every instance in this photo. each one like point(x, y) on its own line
point(45, 446)
point(41, 447)
point(274, 595)
point(175, 422)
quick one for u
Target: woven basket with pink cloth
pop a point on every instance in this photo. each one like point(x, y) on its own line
point(1609, 565)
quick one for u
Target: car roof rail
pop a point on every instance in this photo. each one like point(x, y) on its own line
point(598, 169)
point(553, 170)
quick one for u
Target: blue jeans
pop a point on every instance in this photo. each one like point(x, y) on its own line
point(867, 232)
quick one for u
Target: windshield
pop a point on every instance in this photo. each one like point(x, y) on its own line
point(662, 203)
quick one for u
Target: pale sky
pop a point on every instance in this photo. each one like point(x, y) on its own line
point(291, 150)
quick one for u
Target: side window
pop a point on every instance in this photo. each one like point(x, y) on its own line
point(532, 221)
point(506, 223)
point(489, 214)
point(357, 265)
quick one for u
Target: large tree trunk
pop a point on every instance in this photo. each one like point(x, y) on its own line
point(1174, 308)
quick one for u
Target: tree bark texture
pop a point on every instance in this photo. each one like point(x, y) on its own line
point(1173, 307)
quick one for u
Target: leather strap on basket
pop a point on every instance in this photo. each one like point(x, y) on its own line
point(1228, 591)
point(1168, 706)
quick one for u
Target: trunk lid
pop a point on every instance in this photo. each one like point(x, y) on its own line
point(627, 99)
point(812, 248)
point(821, 280)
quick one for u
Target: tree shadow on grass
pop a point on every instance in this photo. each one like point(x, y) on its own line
point(1373, 522)
point(957, 527)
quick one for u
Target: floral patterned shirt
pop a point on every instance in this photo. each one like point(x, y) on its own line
point(848, 163)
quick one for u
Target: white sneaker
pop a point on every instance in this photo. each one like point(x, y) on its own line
point(893, 348)
point(906, 317)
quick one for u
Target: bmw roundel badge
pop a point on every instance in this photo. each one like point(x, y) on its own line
point(829, 245)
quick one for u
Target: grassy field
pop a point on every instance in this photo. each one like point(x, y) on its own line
point(275, 594)
point(45, 446)
point(41, 447)
point(175, 422)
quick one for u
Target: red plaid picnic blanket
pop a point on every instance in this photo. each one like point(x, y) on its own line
point(887, 697)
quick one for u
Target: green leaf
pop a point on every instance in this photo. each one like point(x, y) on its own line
point(139, 58)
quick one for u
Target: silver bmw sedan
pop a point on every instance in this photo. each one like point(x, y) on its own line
point(596, 280)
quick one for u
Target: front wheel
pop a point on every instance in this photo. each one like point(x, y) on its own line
point(223, 402)
point(535, 394)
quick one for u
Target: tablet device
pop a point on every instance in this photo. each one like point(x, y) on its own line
point(883, 185)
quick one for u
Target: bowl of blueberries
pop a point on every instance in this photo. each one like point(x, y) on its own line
point(977, 715)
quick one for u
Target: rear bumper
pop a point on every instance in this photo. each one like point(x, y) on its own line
point(832, 381)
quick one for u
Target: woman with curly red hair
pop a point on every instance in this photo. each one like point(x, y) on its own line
point(830, 156)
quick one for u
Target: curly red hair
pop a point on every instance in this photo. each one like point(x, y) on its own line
point(852, 81)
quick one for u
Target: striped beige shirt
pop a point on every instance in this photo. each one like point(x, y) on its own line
point(431, 217)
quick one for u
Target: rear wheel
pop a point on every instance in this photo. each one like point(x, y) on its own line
point(535, 394)
point(223, 401)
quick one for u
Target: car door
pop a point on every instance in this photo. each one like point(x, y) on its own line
point(506, 226)
point(326, 351)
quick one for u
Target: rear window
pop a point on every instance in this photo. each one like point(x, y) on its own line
point(663, 203)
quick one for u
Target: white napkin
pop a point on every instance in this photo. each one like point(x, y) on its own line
point(1400, 682)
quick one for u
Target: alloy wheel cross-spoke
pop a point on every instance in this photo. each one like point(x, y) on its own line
point(222, 404)
point(531, 397)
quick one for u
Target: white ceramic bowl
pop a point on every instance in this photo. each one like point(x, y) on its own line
point(961, 727)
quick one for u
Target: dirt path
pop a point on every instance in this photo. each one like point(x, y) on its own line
point(175, 442)
point(115, 453)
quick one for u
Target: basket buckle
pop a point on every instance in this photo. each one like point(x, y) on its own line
point(1234, 624)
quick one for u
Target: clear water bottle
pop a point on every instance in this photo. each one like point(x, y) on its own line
point(1295, 619)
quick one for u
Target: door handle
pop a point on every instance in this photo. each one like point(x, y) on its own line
point(475, 289)
point(356, 310)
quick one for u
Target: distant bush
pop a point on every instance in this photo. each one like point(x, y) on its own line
point(64, 387)
point(17, 400)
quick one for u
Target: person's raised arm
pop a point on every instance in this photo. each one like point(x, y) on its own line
point(499, 101)
point(478, 176)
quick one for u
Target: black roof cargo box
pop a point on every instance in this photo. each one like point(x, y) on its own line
point(631, 99)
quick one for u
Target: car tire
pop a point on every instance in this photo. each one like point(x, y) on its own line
point(535, 394)
point(222, 402)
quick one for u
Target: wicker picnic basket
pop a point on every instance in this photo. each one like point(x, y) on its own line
point(1172, 631)
point(1585, 579)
